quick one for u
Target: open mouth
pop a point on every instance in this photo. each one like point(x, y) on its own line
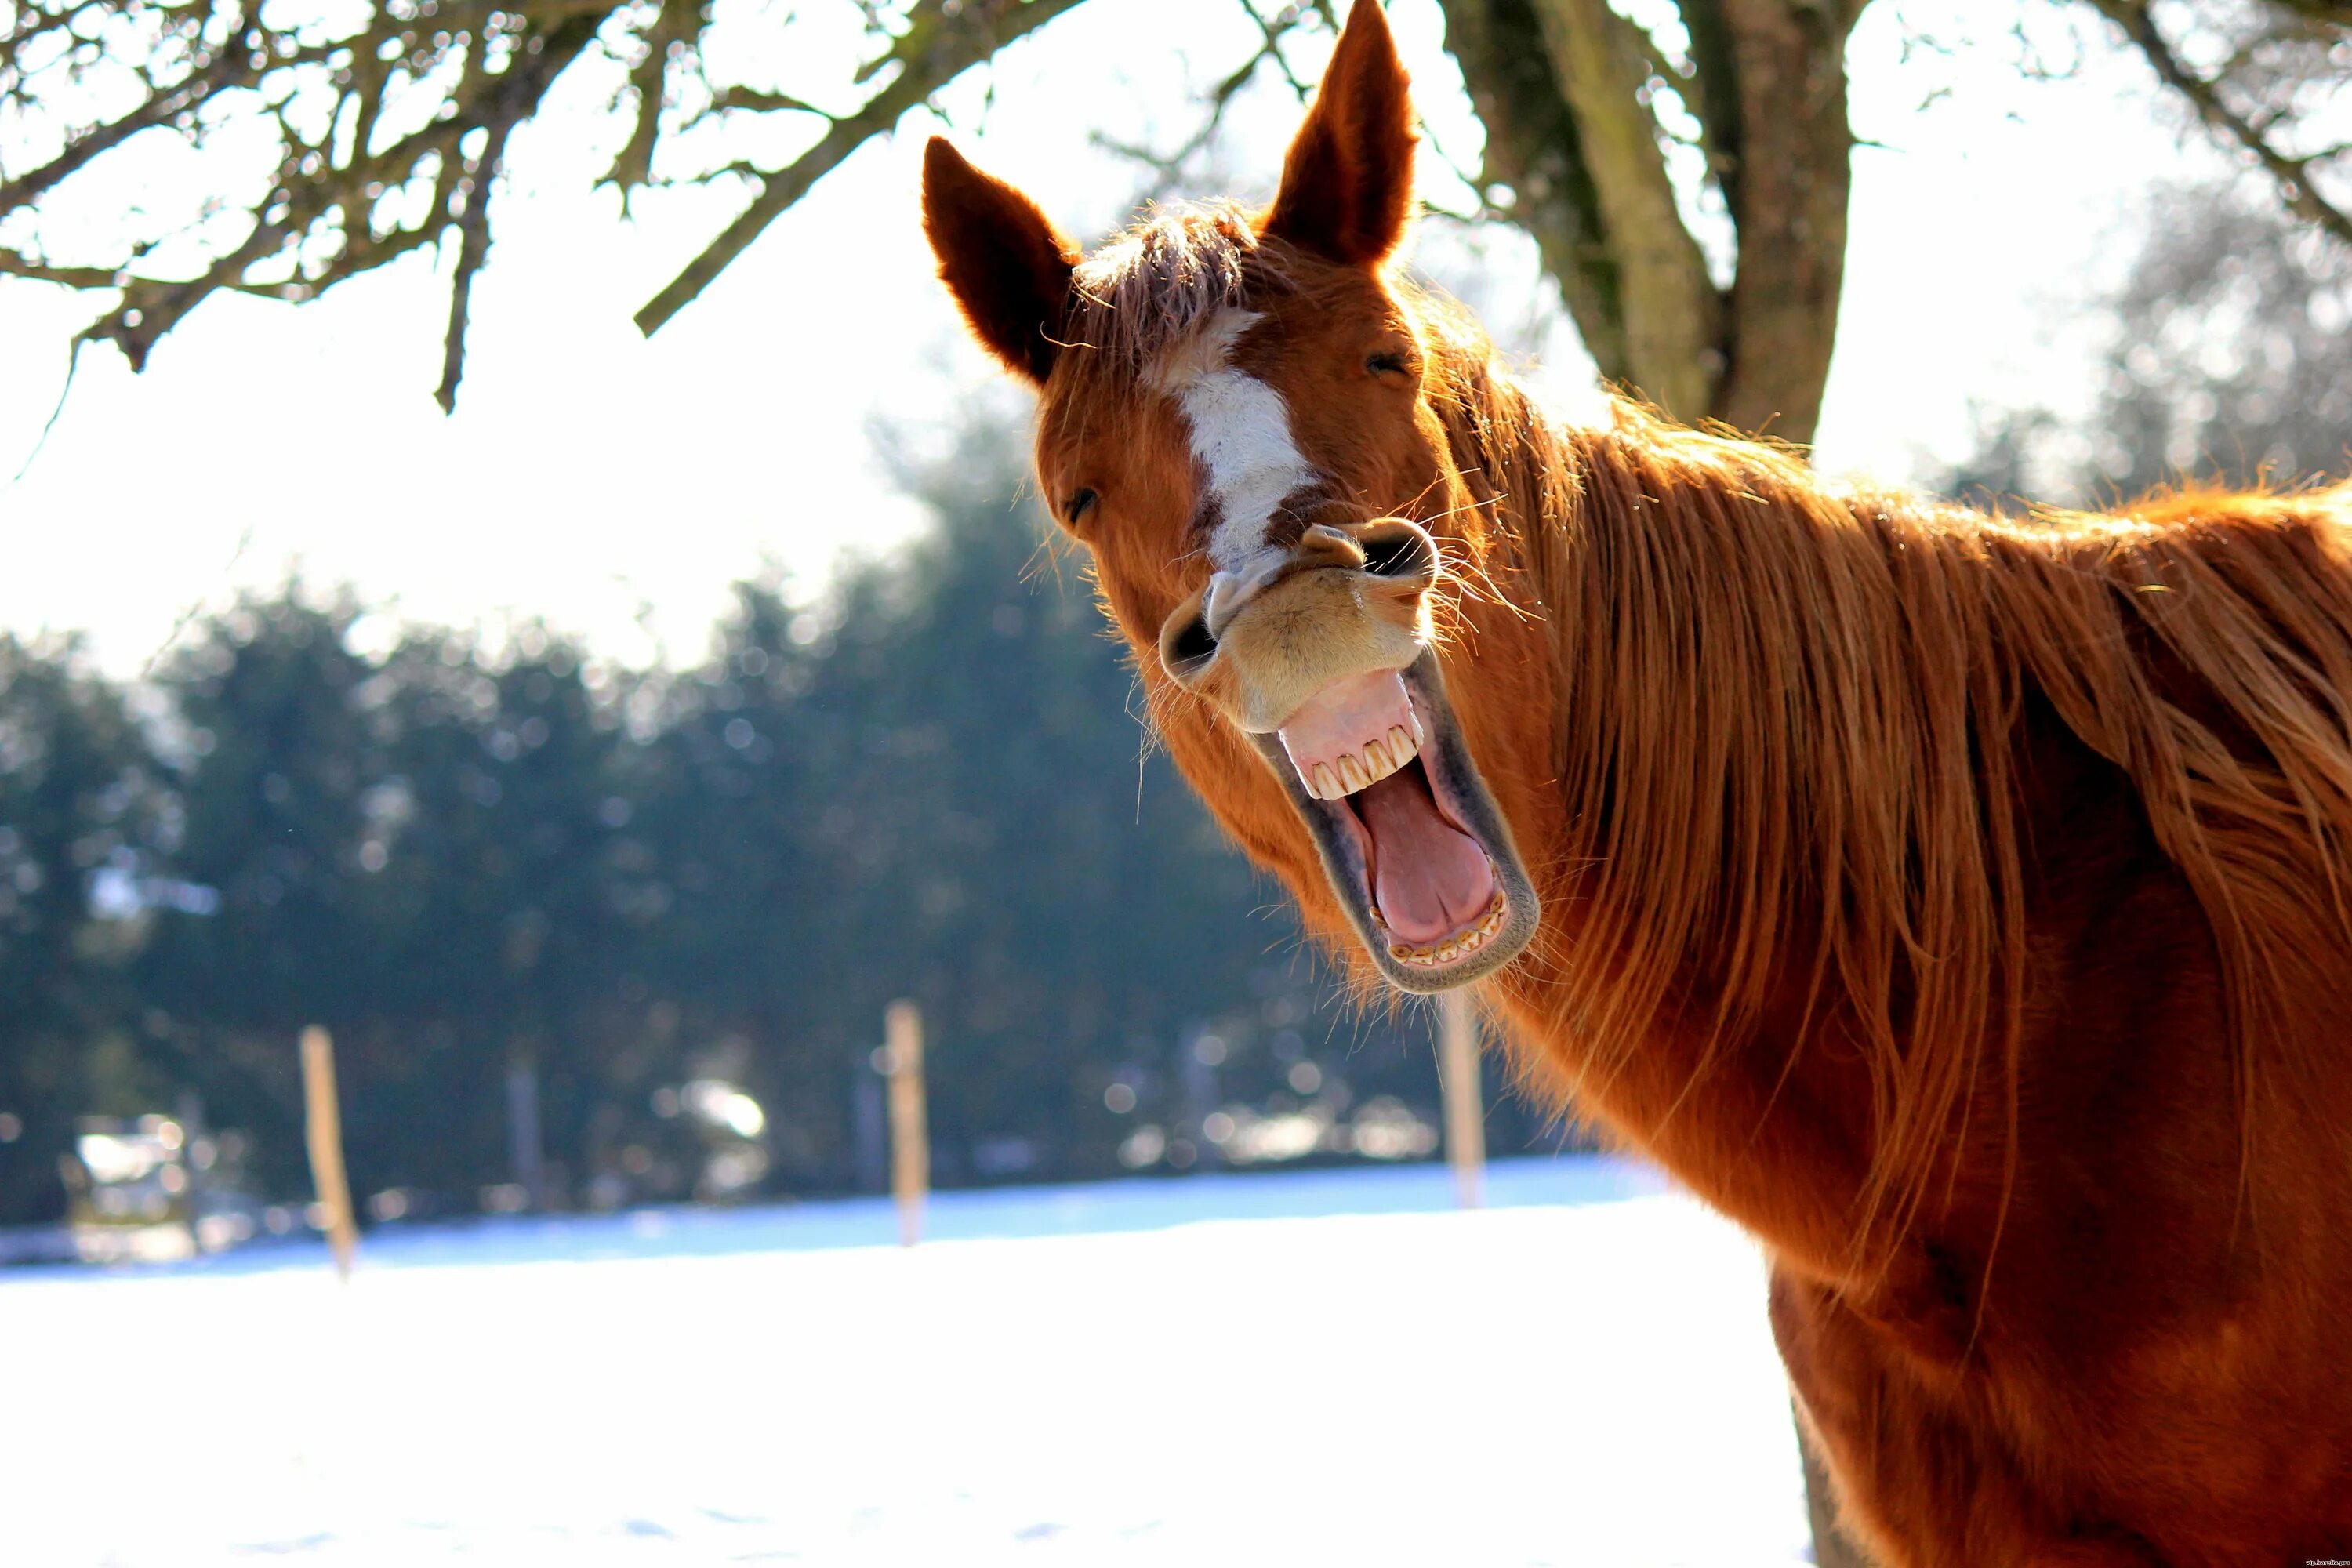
point(1408, 834)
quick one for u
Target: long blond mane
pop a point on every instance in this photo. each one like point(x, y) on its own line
point(1788, 716)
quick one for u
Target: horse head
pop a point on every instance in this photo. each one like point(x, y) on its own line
point(1238, 419)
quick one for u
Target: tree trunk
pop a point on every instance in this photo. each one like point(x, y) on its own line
point(1560, 84)
point(1786, 182)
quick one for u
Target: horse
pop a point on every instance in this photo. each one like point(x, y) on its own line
point(1960, 902)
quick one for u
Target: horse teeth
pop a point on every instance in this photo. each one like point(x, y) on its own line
point(1351, 774)
point(1376, 759)
point(1401, 746)
point(1324, 788)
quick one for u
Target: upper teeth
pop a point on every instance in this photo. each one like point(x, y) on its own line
point(1351, 771)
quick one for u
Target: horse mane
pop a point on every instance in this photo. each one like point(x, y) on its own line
point(1786, 723)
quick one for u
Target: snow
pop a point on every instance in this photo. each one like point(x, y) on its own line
point(1297, 1369)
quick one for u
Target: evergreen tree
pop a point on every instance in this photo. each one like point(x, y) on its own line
point(79, 815)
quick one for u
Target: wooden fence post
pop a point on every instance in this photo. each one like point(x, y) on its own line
point(910, 1138)
point(1465, 1113)
point(1832, 1548)
point(323, 1128)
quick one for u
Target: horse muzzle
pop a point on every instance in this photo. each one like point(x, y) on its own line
point(1260, 641)
point(1323, 654)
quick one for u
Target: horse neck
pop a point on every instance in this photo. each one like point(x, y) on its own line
point(1685, 818)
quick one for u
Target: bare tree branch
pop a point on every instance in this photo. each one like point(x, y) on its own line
point(392, 118)
point(942, 40)
point(525, 83)
point(344, 196)
point(668, 41)
point(2334, 13)
point(16, 265)
point(2248, 129)
point(1167, 169)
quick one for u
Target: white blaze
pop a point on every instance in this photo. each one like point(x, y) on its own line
point(1241, 439)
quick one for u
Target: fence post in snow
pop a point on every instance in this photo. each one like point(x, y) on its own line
point(1466, 1113)
point(910, 1145)
point(525, 1162)
point(322, 1128)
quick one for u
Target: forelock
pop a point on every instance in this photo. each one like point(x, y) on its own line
point(1154, 284)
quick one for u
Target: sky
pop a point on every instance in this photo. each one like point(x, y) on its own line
point(613, 486)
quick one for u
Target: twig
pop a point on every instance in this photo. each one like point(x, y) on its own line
point(1474, 180)
point(16, 265)
point(525, 82)
point(195, 606)
point(1167, 168)
point(941, 42)
point(2137, 20)
point(73, 365)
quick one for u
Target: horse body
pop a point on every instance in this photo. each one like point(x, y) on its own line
point(2102, 1325)
point(2123, 1359)
point(1961, 904)
point(2103, 1332)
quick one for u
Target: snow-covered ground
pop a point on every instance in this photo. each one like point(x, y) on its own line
point(1307, 1369)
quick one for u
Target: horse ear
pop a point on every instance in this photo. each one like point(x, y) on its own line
point(1004, 262)
point(1346, 186)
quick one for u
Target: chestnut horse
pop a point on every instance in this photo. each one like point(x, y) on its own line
point(1962, 904)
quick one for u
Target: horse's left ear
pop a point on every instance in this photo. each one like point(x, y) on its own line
point(1346, 186)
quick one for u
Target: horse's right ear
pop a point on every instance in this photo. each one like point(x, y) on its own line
point(1000, 257)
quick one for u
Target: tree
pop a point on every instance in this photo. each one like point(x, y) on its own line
point(79, 803)
point(2228, 360)
point(2233, 350)
point(421, 851)
point(1685, 183)
point(491, 842)
point(271, 776)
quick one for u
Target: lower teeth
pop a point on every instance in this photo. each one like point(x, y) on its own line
point(1454, 948)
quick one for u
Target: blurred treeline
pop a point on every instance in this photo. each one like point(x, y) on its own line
point(2223, 356)
point(466, 859)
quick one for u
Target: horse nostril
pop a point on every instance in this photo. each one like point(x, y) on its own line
point(1192, 643)
point(1398, 549)
point(1186, 645)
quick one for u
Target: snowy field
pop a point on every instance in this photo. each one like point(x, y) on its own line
point(1320, 1368)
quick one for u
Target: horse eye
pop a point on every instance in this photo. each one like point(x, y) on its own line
point(1385, 363)
point(1078, 505)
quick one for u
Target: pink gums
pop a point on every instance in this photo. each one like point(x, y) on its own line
point(1430, 879)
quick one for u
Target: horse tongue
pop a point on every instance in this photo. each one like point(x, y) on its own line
point(1429, 877)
